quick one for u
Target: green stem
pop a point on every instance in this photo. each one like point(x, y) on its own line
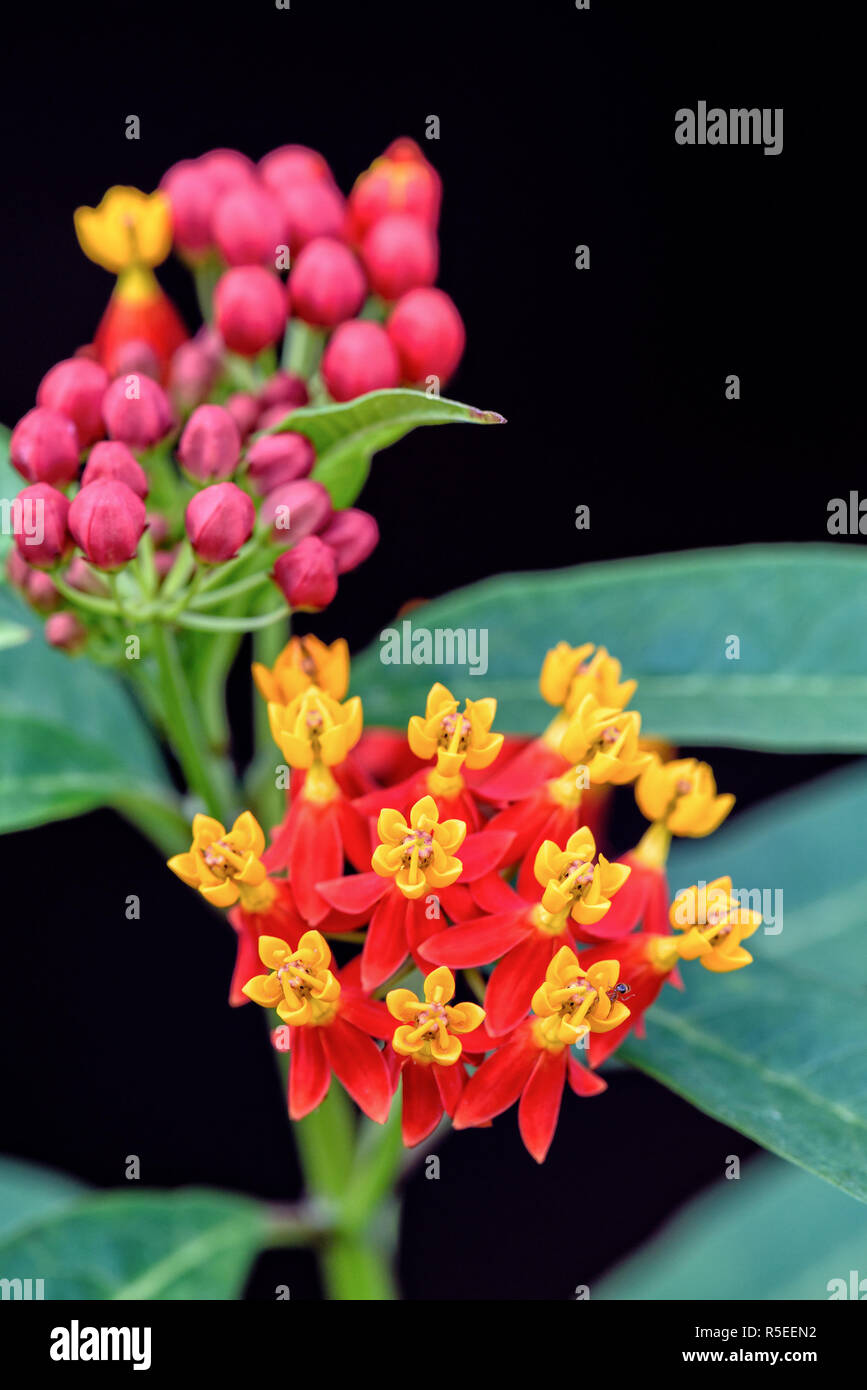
point(217, 596)
point(305, 348)
point(269, 799)
point(159, 819)
point(205, 774)
point(202, 622)
point(87, 601)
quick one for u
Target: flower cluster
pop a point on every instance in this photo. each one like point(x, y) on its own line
point(154, 460)
point(471, 856)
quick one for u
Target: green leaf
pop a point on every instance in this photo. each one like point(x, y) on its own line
point(772, 1233)
point(71, 738)
point(800, 682)
point(12, 634)
point(188, 1244)
point(347, 435)
point(778, 1050)
point(29, 1193)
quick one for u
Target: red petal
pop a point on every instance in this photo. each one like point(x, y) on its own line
point(583, 1081)
point(450, 1084)
point(369, 1015)
point(355, 833)
point(309, 1072)
point(535, 764)
point(457, 901)
point(483, 852)
point(247, 964)
point(359, 1064)
point(540, 1103)
point(494, 894)
point(422, 1106)
point(498, 1082)
point(515, 980)
point(399, 797)
point(477, 942)
point(386, 947)
point(316, 854)
point(355, 893)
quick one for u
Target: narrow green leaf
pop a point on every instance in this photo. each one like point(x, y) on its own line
point(347, 435)
point(799, 682)
point(778, 1050)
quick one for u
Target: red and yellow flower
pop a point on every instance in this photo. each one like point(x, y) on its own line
point(329, 1023)
point(534, 1063)
point(428, 1044)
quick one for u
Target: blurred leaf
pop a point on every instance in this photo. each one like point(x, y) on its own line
point(12, 634)
point(71, 738)
point(773, 1233)
point(800, 682)
point(778, 1050)
point(188, 1244)
point(29, 1193)
point(347, 435)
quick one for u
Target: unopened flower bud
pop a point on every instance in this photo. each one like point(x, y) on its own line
point(65, 631)
point(192, 192)
point(37, 587)
point(311, 210)
point(75, 388)
point(228, 169)
point(210, 444)
point(297, 509)
point(164, 561)
point(40, 519)
point(284, 388)
point(136, 411)
point(191, 375)
point(107, 520)
point(79, 575)
point(327, 284)
point(219, 520)
point(307, 575)
point(291, 165)
point(44, 447)
point(250, 308)
point(279, 458)
point(401, 180)
point(136, 357)
point(158, 527)
point(352, 535)
point(360, 357)
point(400, 253)
point(249, 226)
point(274, 415)
point(428, 333)
point(244, 410)
point(111, 459)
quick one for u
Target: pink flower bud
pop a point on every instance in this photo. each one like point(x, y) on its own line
point(327, 284)
point(428, 333)
point(192, 192)
point(401, 180)
point(44, 447)
point(274, 415)
point(107, 520)
point(35, 585)
point(279, 458)
point(249, 226)
point(360, 357)
point(136, 411)
point(284, 388)
point(79, 575)
point(191, 375)
point(244, 410)
point(250, 307)
point(159, 527)
point(136, 356)
point(65, 631)
point(75, 388)
point(40, 519)
point(210, 444)
point(298, 509)
point(291, 165)
point(307, 574)
point(311, 210)
point(164, 561)
point(219, 520)
point(111, 459)
point(352, 535)
point(400, 253)
point(228, 169)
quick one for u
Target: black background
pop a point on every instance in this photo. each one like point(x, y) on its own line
point(557, 128)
